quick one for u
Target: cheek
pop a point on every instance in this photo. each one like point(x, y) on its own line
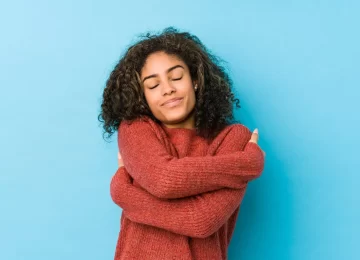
point(191, 94)
point(151, 99)
point(193, 99)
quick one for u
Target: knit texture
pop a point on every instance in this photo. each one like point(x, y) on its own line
point(179, 192)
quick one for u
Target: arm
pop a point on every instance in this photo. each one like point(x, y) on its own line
point(148, 162)
point(197, 216)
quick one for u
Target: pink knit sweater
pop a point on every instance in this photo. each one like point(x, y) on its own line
point(180, 193)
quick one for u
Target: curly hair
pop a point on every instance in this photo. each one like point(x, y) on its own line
point(124, 99)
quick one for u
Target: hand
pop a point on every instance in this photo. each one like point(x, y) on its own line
point(255, 138)
point(120, 161)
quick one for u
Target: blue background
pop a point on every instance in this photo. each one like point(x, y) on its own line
point(295, 65)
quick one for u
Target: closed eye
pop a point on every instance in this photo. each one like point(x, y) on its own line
point(172, 79)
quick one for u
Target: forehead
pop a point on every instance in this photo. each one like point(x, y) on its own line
point(159, 62)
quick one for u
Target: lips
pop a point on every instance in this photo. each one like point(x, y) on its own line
point(171, 100)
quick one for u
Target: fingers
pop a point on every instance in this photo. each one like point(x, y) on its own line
point(120, 161)
point(255, 136)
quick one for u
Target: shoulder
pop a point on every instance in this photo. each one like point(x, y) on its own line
point(232, 138)
point(139, 128)
point(236, 131)
point(138, 123)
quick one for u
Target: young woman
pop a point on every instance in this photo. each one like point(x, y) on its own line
point(184, 164)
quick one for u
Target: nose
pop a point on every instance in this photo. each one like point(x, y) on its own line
point(167, 88)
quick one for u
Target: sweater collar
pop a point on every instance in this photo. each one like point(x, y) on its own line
point(172, 132)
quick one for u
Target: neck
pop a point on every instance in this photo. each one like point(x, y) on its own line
point(188, 123)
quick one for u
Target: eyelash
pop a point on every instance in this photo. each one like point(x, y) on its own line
point(173, 80)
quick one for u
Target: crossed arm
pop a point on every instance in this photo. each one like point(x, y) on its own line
point(196, 216)
point(231, 162)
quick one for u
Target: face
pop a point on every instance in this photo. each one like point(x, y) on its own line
point(169, 90)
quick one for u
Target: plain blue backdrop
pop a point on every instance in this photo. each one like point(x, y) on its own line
point(295, 66)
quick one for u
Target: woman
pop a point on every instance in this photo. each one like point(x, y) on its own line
point(184, 165)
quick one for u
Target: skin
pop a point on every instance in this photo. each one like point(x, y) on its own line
point(165, 77)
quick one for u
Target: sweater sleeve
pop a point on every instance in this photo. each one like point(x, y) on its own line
point(197, 216)
point(148, 162)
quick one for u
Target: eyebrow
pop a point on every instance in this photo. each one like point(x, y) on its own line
point(167, 71)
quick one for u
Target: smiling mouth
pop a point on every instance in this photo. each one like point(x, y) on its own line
point(173, 103)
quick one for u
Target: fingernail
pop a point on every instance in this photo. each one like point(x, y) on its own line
point(256, 131)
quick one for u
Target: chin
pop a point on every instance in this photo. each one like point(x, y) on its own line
point(174, 119)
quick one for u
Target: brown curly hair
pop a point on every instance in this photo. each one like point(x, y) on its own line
point(124, 99)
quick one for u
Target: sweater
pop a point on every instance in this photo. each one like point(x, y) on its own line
point(180, 194)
